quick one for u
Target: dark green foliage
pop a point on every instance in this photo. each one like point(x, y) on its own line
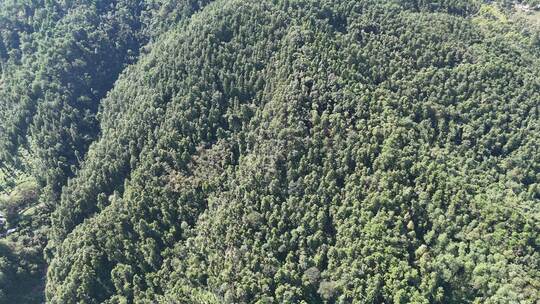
point(293, 151)
point(57, 61)
point(66, 56)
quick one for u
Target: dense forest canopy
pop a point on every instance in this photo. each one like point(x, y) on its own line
point(280, 151)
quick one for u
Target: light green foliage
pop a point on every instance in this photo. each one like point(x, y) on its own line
point(22, 197)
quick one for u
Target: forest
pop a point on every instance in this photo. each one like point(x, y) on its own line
point(269, 151)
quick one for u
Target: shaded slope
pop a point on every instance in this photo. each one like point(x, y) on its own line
point(64, 58)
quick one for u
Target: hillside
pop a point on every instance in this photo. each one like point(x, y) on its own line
point(288, 151)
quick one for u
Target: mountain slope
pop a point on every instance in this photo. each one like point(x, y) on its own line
point(316, 151)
